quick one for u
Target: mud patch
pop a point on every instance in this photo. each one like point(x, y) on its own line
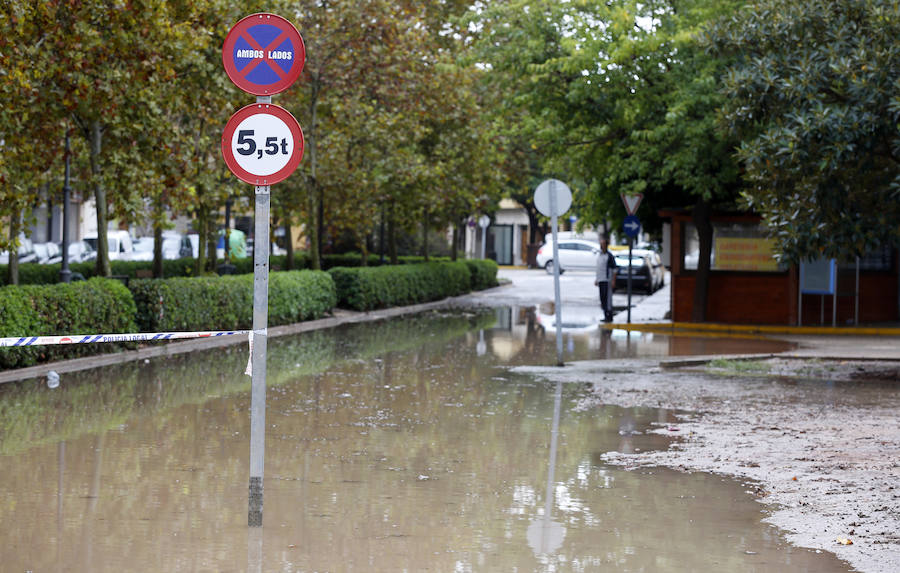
point(823, 450)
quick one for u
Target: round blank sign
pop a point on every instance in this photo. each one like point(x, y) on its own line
point(542, 197)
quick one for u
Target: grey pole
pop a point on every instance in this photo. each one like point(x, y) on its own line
point(65, 275)
point(856, 297)
point(630, 243)
point(483, 240)
point(556, 297)
point(258, 354)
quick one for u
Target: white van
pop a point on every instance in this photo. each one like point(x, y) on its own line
point(121, 247)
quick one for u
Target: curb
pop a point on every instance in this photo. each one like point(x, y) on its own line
point(755, 329)
point(340, 316)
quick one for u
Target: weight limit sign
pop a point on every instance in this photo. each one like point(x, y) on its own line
point(262, 144)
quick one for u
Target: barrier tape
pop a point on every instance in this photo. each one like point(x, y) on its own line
point(96, 338)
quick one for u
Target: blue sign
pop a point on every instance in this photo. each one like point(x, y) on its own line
point(632, 226)
point(263, 54)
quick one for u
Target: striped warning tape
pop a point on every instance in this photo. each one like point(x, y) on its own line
point(95, 338)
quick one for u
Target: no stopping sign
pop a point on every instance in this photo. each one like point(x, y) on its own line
point(263, 54)
point(262, 144)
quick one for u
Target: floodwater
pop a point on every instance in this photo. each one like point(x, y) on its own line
point(402, 445)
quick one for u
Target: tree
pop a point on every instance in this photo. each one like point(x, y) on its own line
point(31, 135)
point(110, 68)
point(621, 98)
point(813, 92)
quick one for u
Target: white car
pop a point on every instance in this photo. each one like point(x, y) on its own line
point(574, 254)
point(79, 251)
point(121, 247)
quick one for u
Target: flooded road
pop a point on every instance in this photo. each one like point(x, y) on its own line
point(391, 446)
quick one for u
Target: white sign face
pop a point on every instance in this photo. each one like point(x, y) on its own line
point(262, 144)
point(484, 221)
point(560, 190)
point(631, 202)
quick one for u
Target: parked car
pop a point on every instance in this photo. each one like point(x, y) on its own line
point(121, 247)
point(574, 254)
point(26, 252)
point(79, 251)
point(44, 252)
point(171, 246)
point(647, 271)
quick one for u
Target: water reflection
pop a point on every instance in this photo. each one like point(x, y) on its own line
point(390, 446)
point(524, 333)
point(545, 535)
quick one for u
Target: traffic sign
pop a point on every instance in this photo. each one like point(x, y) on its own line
point(263, 54)
point(542, 197)
point(632, 226)
point(484, 221)
point(262, 144)
point(631, 202)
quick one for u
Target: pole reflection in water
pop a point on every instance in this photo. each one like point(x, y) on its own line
point(254, 549)
point(545, 536)
point(60, 492)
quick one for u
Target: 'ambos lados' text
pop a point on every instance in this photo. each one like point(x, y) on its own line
point(270, 55)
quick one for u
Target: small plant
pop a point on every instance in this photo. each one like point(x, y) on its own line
point(739, 366)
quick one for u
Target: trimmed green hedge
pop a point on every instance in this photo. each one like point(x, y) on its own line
point(95, 306)
point(226, 303)
point(368, 288)
point(483, 272)
point(37, 274)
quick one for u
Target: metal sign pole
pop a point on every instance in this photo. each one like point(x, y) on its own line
point(630, 243)
point(556, 297)
point(259, 338)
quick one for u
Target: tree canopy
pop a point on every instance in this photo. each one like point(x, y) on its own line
point(813, 93)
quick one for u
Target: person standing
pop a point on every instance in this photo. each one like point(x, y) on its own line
point(606, 279)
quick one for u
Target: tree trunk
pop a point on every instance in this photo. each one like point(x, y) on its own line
point(12, 270)
point(392, 235)
point(212, 241)
point(312, 230)
point(288, 246)
point(157, 251)
point(95, 139)
point(320, 221)
point(362, 239)
point(425, 233)
point(202, 226)
point(453, 247)
point(701, 282)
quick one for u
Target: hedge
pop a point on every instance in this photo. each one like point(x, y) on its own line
point(368, 288)
point(34, 273)
point(226, 303)
point(483, 273)
point(93, 306)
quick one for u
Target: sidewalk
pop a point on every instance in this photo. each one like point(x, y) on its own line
point(842, 343)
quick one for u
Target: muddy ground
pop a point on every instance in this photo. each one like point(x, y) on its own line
point(819, 438)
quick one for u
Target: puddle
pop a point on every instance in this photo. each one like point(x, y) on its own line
point(400, 445)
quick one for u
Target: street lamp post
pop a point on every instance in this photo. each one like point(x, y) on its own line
point(65, 275)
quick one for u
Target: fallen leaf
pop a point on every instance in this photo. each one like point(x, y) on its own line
point(844, 541)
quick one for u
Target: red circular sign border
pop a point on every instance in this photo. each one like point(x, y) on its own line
point(270, 109)
point(228, 49)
